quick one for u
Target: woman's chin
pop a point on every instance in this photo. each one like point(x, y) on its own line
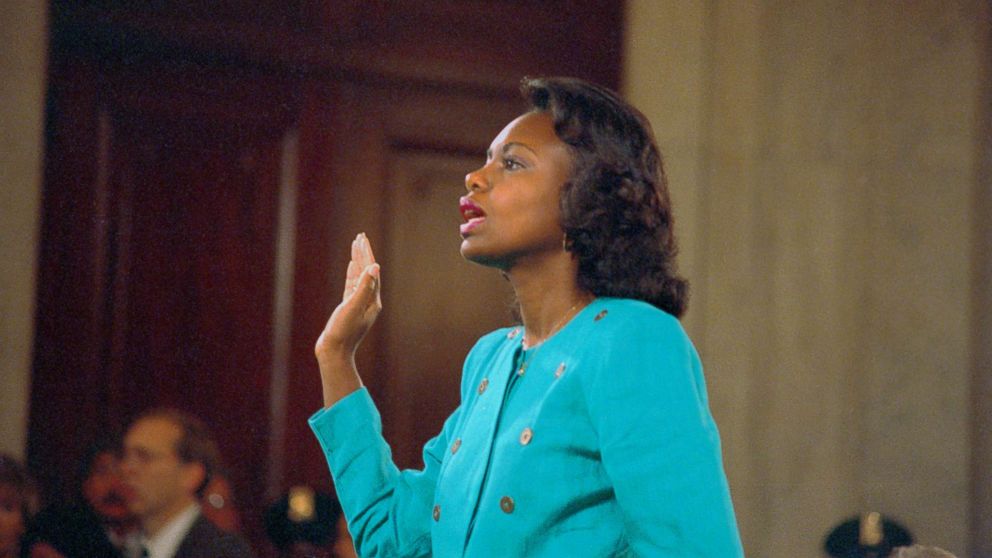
point(477, 255)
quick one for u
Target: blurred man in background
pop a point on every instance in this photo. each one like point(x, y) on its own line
point(169, 459)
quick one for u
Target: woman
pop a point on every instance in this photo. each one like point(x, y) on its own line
point(584, 432)
point(18, 503)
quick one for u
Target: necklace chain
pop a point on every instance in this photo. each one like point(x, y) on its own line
point(525, 358)
point(554, 329)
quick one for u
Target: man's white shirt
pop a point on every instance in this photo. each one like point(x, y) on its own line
point(166, 542)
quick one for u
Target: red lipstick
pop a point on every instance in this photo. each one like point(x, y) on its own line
point(472, 214)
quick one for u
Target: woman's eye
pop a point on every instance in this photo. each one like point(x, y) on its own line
point(509, 163)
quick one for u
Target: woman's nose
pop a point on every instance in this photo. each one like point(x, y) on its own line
point(476, 180)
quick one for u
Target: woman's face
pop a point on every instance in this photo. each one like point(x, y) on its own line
point(511, 210)
point(11, 520)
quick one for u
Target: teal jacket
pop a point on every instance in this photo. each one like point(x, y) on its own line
point(603, 446)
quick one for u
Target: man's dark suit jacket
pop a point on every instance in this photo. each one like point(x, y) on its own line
point(205, 540)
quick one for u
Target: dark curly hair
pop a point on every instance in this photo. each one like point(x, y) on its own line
point(616, 213)
point(18, 487)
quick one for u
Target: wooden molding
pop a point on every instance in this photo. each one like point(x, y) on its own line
point(467, 43)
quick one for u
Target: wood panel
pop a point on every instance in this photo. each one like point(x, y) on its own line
point(462, 43)
point(161, 227)
point(195, 330)
point(70, 316)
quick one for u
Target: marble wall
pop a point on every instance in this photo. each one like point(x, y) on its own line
point(823, 162)
point(23, 47)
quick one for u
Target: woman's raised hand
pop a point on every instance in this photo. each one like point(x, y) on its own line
point(348, 324)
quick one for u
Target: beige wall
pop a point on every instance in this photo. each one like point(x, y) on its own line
point(823, 162)
point(23, 42)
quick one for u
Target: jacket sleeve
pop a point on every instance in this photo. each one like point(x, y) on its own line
point(388, 510)
point(659, 443)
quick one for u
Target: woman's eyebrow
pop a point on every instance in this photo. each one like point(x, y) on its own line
point(507, 146)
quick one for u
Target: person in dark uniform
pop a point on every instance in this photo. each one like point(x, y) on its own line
point(920, 551)
point(169, 458)
point(869, 535)
point(308, 524)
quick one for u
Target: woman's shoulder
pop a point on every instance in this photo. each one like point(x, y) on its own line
point(632, 314)
point(497, 338)
point(493, 342)
point(623, 327)
point(627, 340)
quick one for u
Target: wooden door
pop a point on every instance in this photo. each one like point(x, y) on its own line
point(158, 267)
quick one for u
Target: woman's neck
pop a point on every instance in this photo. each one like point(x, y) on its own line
point(549, 296)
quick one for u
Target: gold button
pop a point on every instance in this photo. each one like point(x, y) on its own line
point(483, 385)
point(560, 370)
point(522, 369)
point(506, 504)
point(455, 445)
point(602, 314)
point(437, 512)
point(525, 436)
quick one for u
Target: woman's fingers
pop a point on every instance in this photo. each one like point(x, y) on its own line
point(352, 319)
point(362, 278)
point(366, 248)
point(367, 290)
point(356, 249)
point(346, 327)
point(373, 270)
point(361, 259)
point(351, 279)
